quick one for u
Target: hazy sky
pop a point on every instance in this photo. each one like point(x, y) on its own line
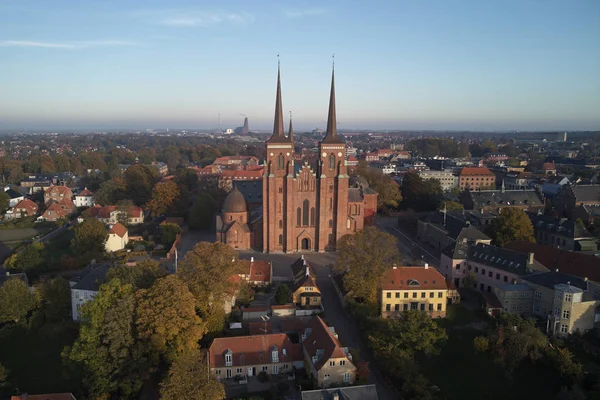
point(444, 64)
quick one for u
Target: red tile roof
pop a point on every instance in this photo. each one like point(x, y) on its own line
point(242, 174)
point(64, 190)
point(252, 350)
point(54, 396)
point(413, 278)
point(259, 270)
point(118, 229)
point(104, 212)
point(321, 338)
point(85, 192)
point(255, 309)
point(30, 207)
point(260, 328)
point(477, 171)
point(55, 211)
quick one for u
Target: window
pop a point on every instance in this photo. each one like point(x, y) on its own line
point(568, 297)
point(388, 295)
point(298, 216)
point(342, 362)
point(238, 371)
point(490, 274)
point(275, 369)
point(537, 295)
point(388, 307)
point(431, 295)
point(275, 356)
point(280, 240)
point(457, 267)
point(564, 329)
point(536, 309)
point(414, 295)
point(346, 376)
point(397, 295)
point(405, 295)
point(326, 377)
point(430, 307)
point(331, 223)
point(423, 295)
point(422, 306)
point(331, 161)
point(397, 307)
point(330, 238)
point(218, 372)
point(280, 161)
point(405, 307)
point(482, 271)
point(228, 360)
point(265, 368)
point(476, 269)
point(280, 190)
point(312, 216)
point(280, 223)
point(566, 314)
point(332, 363)
point(440, 295)
point(505, 278)
point(497, 276)
point(305, 213)
point(439, 307)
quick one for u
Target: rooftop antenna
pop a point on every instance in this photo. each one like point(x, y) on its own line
point(445, 211)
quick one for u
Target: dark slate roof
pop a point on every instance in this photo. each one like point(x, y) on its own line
point(6, 276)
point(363, 392)
point(557, 226)
point(94, 278)
point(252, 190)
point(587, 193)
point(552, 278)
point(235, 202)
point(498, 257)
point(487, 198)
point(355, 195)
point(13, 194)
point(466, 238)
point(555, 180)
point(453, 225)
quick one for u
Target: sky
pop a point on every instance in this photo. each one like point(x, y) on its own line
point(440, 64)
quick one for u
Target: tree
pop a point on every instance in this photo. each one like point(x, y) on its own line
point(481, 344)
point(570, 370)
point(62, 163)
point(30, 258)
point(114, 361)
point(16, 301)
point(420, 194)
point(189, 379)
point(363, 259)
point(386, 188)
point(110, 192)
point(3, 375)
point(512, 225)
point(166, 316)
point(207, 270)
point(123, 208)
point(4, 201)
point(168, 233)
point(90, 236)
point(164, 195)
point(139, 180)
point(202, 212)
point(283, 295)
point(55, 298)
point(141, 276)
point(450, 206)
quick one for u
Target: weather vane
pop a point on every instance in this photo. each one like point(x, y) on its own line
point(333, 60)
point(278, 59)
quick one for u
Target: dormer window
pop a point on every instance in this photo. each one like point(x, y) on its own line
point(413, 282)
point(274, 355)
point(228, 358)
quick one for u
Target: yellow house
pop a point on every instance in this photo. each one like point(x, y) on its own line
point(413, 288)
point(306, 293)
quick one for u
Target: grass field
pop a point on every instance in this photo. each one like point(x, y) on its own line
point(34, 359)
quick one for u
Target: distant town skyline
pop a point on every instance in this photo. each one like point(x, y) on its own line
point(443, 65)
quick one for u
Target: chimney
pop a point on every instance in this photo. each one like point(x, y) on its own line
point(585, 279)
point(394, 267)
point(556, 270)
point(426, 266)
point(335, 396)
point(531, 258)
point(251, 259)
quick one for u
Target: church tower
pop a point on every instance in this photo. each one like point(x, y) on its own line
point(277, 177)
point(333, 181)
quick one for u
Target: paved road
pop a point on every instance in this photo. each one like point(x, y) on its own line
point(412, 252)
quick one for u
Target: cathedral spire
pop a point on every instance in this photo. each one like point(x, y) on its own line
point(278, 132)
point(291, 132)
point(331, 136)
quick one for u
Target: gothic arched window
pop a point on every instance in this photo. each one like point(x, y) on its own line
point(312, 216)
point(305, 213)
point(280, 161)
point(331, 161)
point(280, 224)
point(298, 216)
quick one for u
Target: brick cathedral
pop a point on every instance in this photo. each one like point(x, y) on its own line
point(306, 205)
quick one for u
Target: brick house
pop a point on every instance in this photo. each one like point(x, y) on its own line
point(58, 210)
point(57, 193)
point(24, 208)
point(413, 288)
point(569, 197)
point(256, 272)
point(476, 178)
point(110, 214)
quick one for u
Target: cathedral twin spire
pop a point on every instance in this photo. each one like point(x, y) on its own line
point(278, 136)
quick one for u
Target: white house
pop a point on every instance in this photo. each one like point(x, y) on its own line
point(14, 196)
point(117, 238)
point(85, 287)
point(84, 199)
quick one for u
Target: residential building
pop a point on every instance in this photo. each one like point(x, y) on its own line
point(442, 229)
point(247, 356)
point(8, 275)
point(552, 186)
point(413, 288)
point(110, 214)
point(117, 238)
point(564, 301)
point(362, 392)
point(589, 214)
point(256, 272)
point(549, 168)
point(305, 292)
point(84, 199)
point(58, 210)
point(228, 161)
point(56, 194)
point(447, 179)
point(492, 266)
point(476, 178)
point(85, 286)
point(326, 359)
point(515, 298)
point(14, 197)
point(519, 181)
point(25, 208)
point(561, 233)
point(571, 196)
point(51, 396)
point(496, 200)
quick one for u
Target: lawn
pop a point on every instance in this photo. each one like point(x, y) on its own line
point(460, 373)
point(34, 359)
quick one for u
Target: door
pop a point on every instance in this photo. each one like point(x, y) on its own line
point(228, 373)
point(275, 369)
point(249, 371)
point(305, 244)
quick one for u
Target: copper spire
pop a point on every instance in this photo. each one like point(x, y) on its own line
point(331, 136)
point(278, 132)
point(291, 132)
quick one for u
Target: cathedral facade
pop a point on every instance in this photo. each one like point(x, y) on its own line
point(307, 205)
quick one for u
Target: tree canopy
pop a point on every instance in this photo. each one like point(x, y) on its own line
point(511, 225)
point(54, 296)
point(363, 259)
point(164, 195)
point(90, 236)
point(30, 258)
point(420, 194)
point(16, 301)
point(202, 212)
point(141, 276)
point(168, 233)
point(4, 201)
point(388, 192)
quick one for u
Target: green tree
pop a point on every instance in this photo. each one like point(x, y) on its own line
point(90, 236)
point(189, 379)
point(363, 259)
point(207, 269)
point(450, 206)
point(110, 192)
point(481, 344)
point(16, 301)
point(512, 225)
point(202, 212)
point(62, 162)
point(420, 194)
point(30, 258)
point(54, 295)
point(283, 295)
point(387, 189)
point(168, 233)
point(4, 201)
point(166, 316)
point(123, 208)
point(141, 276)
point(569, 369)
point(114, 361)
point(164, 194)
point(139, 180)
point(3, 375)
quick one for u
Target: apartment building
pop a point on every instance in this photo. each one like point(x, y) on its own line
point(476, 178)
point(413, 288)
point(447, 179)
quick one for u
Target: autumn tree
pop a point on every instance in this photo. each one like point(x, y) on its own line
point(141, 276)
point(363, 259)
point(450, 206)
point(32, 257)
point(189, 379)
point(512, 224)
point(16, 301)
point(124, 208)
point(207, 270)
point(139, 180)
point(168, 233)
point(90, 236)
point(166, 316)
point(164, 195)
point(114, 361)
point(62, 163)
point(388, 193)
point(202, 212)
point(54, 296)
point(4, 201)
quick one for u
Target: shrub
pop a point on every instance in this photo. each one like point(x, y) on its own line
point(481, 344)
point(263, 377)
